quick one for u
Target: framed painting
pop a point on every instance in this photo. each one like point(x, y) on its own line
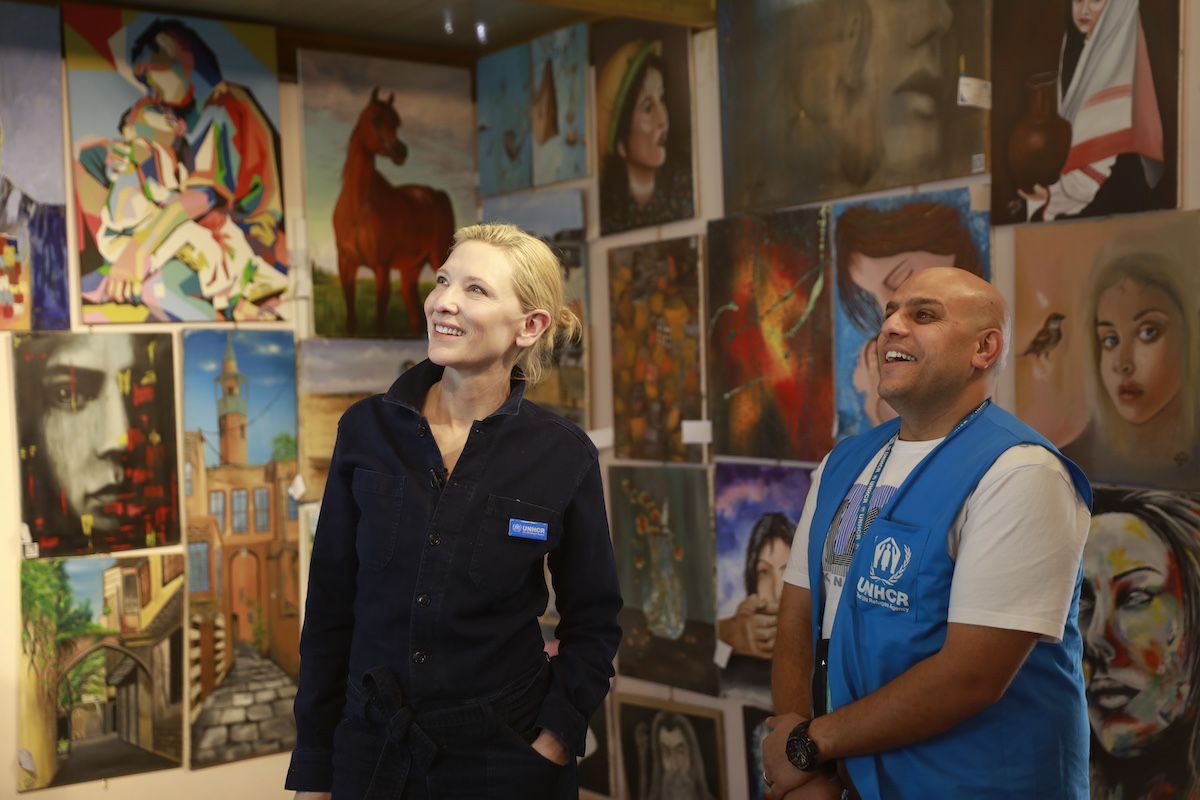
point(559, 121)
point(505, 106)
point(671, 749)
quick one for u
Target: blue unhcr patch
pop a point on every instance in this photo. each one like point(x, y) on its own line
point(524, 529)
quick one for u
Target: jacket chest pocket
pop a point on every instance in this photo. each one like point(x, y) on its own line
point(887, 575)
point(379, 497)
point(511, 542)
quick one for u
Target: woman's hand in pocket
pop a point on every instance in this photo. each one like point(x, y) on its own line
point(550, 748)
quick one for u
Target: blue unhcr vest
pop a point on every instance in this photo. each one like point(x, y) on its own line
point(1033, 742)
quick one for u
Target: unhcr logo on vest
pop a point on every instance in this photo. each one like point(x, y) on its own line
point(888, 564)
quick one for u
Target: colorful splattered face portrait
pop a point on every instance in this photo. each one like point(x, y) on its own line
point(1133, 618)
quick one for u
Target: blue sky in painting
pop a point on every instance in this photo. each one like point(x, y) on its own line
point(86, 577)
point(268, 361)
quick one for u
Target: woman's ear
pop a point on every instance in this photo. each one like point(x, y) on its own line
point(535, 324)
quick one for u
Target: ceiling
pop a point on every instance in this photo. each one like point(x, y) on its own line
point(419, 27)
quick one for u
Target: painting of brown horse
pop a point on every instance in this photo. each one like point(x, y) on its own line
point(386, 227)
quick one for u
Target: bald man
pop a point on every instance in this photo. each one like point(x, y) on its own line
point(938, 654)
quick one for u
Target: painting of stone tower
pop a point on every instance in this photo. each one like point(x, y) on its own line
point(242, 542)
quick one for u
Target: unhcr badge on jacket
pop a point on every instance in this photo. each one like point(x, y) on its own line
point(888, 578)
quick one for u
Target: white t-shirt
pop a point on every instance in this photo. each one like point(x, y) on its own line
point(1016, 544)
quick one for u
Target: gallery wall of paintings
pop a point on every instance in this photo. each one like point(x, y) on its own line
point(729, 235)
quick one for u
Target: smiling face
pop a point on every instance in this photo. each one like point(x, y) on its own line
point(86, 387)
point(473, 315)
point(1141, 342)
point(906, 65)
point(1085, 14)
point(645, 146)
point(1131, 613)
point(866, 383)
point(932, 342)
point(881, 276)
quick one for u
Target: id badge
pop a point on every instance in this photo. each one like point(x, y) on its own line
point(526, 529)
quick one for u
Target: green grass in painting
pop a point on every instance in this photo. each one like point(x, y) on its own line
point(329, 309)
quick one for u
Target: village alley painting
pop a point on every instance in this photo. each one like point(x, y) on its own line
point(243, 542)
point(102, 664)
point(190, 227)
point(389, 150)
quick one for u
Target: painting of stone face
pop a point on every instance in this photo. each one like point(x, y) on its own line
point(757, 508)
point(754, 728)
point(663, 542)
point(556, 217)
point(96, 439)
point(1085, 108)
point(1106, 347)
point(877, 244)
point(643, 124)
point(33, 232)
point(388, 151)
point(559, 110)
point(189, 227)
point(101, 668)
point(671, 751)
point(770, 364)
point(1138, 615)
point(334, 374)
point(243, 542)
point(504, 93)
point(654, 297)
point(861, 95)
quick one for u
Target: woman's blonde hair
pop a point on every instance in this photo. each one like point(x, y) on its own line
point(538, 281)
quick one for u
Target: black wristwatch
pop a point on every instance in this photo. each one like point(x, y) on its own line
point(802, 750)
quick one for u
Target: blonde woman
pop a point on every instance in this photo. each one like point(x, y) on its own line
point(423, 673)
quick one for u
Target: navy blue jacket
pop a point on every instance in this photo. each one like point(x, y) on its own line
point(420, 573)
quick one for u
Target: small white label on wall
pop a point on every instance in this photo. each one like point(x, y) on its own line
point(29, 548)
point(297, 488)
point(602, 438)
point(974, 92)
point(721, 654)
point(696, 431)
point(978, 163)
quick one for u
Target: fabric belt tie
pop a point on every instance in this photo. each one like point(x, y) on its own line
point(406, 745)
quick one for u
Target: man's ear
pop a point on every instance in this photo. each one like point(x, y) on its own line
point(535, 324)
point(988, 349)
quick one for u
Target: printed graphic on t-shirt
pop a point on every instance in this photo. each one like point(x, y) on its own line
point(841, 542)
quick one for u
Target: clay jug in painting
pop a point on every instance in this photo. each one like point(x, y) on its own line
point(1040, 141)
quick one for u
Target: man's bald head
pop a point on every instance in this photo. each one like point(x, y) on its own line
point(973, 297)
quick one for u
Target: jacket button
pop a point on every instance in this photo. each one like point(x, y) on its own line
point(434, 540)
point(418, 657)
point(423, 600)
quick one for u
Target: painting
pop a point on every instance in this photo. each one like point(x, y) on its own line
point(671, 750)
point(388, 148)
point(96, 440)
point(309, 514)
point(663, 541)
point(175, 125)
point(505, 101)
point(556, 217)
point(770, 328)
point(877, 244)
point(1138, 614)
point(861, 95)
point(1106, 348)
point(334, 374)
point(754, 728)
point(1085, 108)
point(643, 124)
point(757, 508)
point(596, 766)
point(101, 668)
point(654, 298)
point(33, 228)
point(243, 542)
point(559, 121)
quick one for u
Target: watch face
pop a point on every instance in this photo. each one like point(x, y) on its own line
point(801, 750)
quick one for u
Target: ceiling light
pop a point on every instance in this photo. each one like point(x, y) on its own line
point(481, 32)
point(447, 22)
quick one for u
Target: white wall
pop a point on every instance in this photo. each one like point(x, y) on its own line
point(263, 777)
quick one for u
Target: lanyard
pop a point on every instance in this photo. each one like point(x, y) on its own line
point(864, 505)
